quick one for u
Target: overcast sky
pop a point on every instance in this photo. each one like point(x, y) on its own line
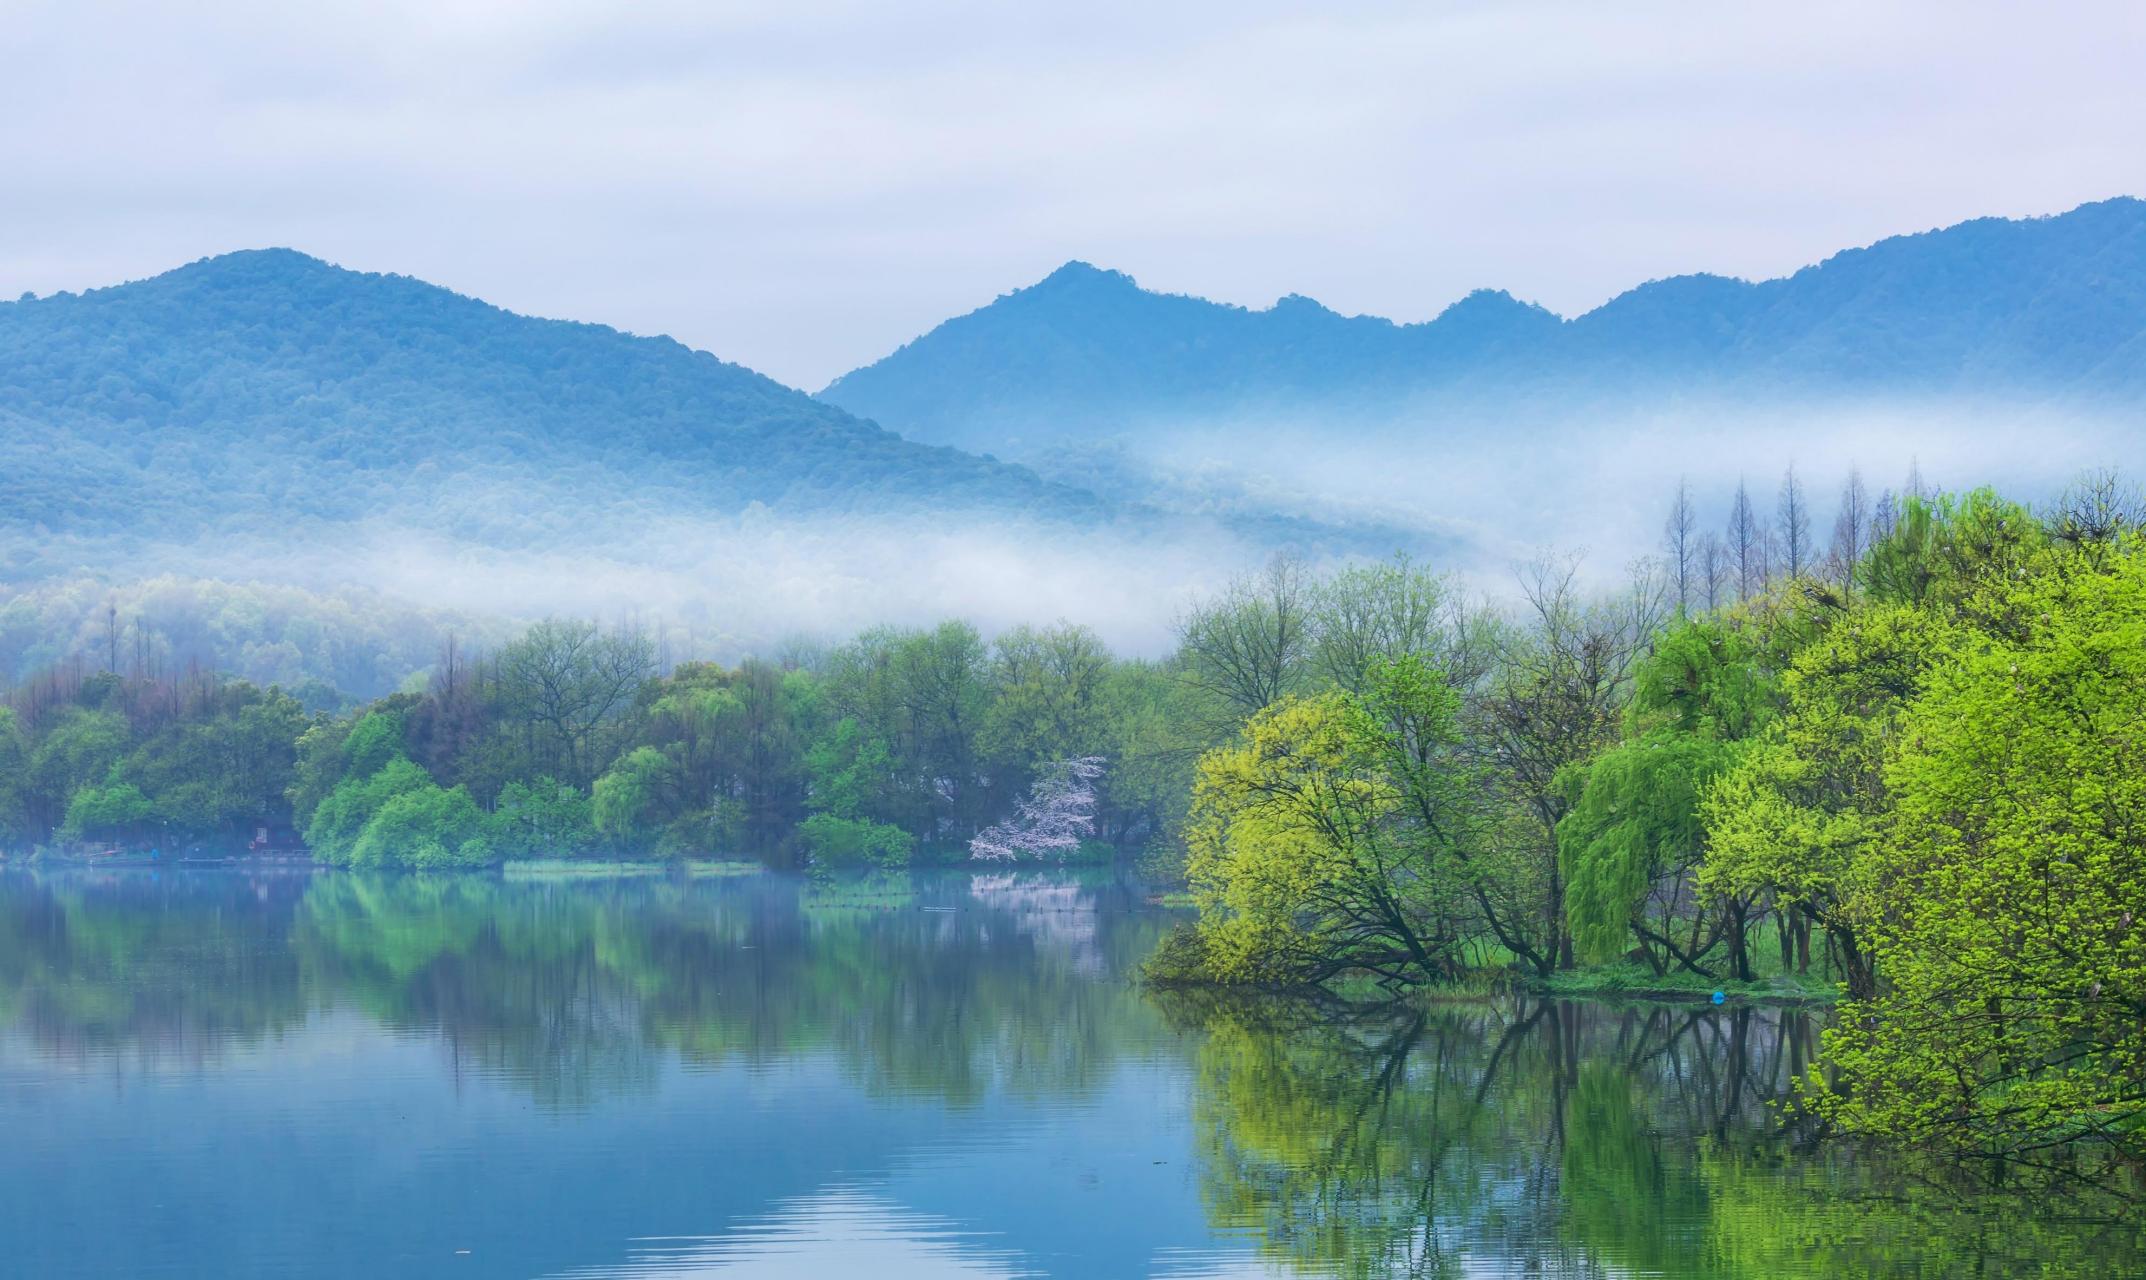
point(803, 186)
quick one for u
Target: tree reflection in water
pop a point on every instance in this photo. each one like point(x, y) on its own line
point(1566, 1138)
point(1517, 1134)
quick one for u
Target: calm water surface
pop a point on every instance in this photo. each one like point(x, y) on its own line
point(218, 1074)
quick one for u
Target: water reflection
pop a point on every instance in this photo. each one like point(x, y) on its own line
point(1569, 1139)
point(909, 1076)
point(842, 1232)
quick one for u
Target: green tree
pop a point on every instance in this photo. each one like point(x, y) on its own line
point(77, 748)
point(426, 826)
point(2006, 899)
point(1329, 839)
point(117, 811)
point(340, 820)
point(924, 694)
point(852, 842)
point(14, 779)
point(1631, 844)
point(637, 799)
point(544, 818)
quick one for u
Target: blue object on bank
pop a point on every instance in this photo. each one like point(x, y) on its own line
point(1721, 997)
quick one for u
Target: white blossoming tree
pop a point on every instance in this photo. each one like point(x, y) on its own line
point(1057, 815)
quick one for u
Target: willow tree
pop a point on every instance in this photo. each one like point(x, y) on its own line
point(1631, 846)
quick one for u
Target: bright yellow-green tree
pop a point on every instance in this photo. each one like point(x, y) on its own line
point(1331, 837)
point(2006, 901)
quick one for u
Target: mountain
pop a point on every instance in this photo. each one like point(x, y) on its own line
point(270, 394)
point(2040, 308)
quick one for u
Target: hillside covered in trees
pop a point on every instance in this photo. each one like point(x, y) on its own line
point(2012, 310)
point(268, 395)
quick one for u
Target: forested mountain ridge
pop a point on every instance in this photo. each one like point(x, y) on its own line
point(2039, 308)
point(270, 389)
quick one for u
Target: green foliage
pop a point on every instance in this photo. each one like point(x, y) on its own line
point(14, 778)
point(340, 821)
point(924, 695)
point(832, 841)
point(545, 818)
point(80, 748)
point(317, 767)
point(106, 812)
point(425, 826)
point(632, 801)
point(388, 812)
point(375, 739)
point(1636, 820)
point(2006, 902)
point(850, 772)
point(1332, 837)
point(217, 773)
point(1633, 838)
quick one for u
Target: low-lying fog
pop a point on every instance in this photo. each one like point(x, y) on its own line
point(1512, 488)
point(1474, 499)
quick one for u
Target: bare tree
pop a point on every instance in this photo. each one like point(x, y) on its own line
point(1851, 528)
point(1884, 517)
point(1917, 488)
point(1713, 569)
point(1747, 544)
point(1562, 683)
point(1379, 612)
point(2097, 507)
point(1792, 524)
point(1251, 644)
point(565, 680)
point(1680, 544)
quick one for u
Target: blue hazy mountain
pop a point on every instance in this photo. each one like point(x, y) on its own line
point(2041, 309)
point(269, 392)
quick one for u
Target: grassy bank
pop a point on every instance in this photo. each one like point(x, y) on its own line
point(580, 869)
point(1629, 979)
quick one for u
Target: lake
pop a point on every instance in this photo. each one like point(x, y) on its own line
point(224, 1074)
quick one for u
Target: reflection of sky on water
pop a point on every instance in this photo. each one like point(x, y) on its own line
point(376, 1107)
point(843, 1231)
point(942, 1076)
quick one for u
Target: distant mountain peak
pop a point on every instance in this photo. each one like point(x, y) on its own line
point(260, 265)
point(1299, 304)
point(1494, 304)
point(1078, 274)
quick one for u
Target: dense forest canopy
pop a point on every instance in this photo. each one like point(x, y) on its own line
point(271, 389)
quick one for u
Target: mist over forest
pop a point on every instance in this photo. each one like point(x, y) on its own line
point(270, 466)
